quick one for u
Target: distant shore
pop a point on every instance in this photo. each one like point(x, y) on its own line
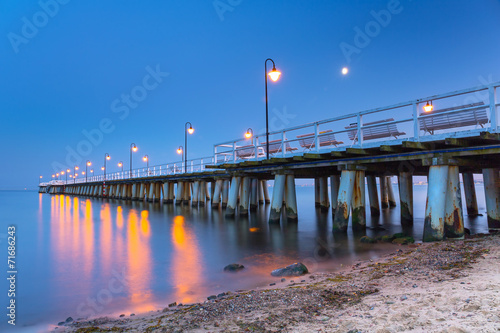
point(449, 286)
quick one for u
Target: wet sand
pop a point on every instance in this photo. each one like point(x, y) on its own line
point(449, 286)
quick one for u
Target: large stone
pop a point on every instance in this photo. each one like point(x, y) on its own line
point(233, 268)
point(291, 270)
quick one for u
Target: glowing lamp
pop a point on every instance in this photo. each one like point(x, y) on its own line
point(190, 130)
point(274, 75)
point(428, 107)
point(108, 157)
point(249, 133)
point(88, 163)
point(134, 148)
point(179, 150)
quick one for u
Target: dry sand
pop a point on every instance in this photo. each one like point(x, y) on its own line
point(450, 286)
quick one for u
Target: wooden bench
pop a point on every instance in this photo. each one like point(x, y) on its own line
point(306, 141)
point(381, 131)
point(247, 151)
point(437, 121)
point(275, 146)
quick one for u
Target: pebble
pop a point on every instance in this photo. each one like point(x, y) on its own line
point(172, 304)
point(372, 308)
point(467, 300)
point(132, 314)
point(462, 282)
point(69, 320)
point(272, 284)
point(403, 298)
point(414, 286)
point(302, 280)
point(283, 280)
point(211, 297)
point(389, 302)
point(122, 315)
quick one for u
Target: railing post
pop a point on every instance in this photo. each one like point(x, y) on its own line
point(316, 138)
point(283, 148)
point(360, 130)
point(234, 151)
point(493, 108)
point(416, 124)
point(256, 148)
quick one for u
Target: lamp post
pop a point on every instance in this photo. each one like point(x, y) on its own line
point(189, 130)
point(120, 164)
point(133, 148)
point(62, 173)
point(274, 75)
point(180, 151)
point(92, 172)
point(106, 158)
point(146, 159)
point(87, 165)
point(39, 180)
point(75, 174)
point(57, 176)
point(249, 133)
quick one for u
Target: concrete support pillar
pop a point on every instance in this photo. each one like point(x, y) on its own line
point(140, 191)
point(405, 184)
point(166, 192)
point(323, 194)
point(101, 191)
point(290, 199)
point(358, 202)
point(171, 192)
point(217, 192)
point(225, 193)
point(344, 200)
point(207, 194)
point(187, 193)
point(212, 190)
point(390, 192)
point(157, 188)
point(260, 192)
point(233, 196)
point(470, 193)
point(179, 196)
point(203, 193)
point(254, 194)
point(492, 193)
point(135, 193)
point(265, 189)
point(245, 196)
point(124, 191)
point(317, 192)
point(453, 219)
point(373, 195)
point(277, 202)
point(334, 190)
point(196, 193)
point(151, 192)
point(436, 201)
point(384, 196)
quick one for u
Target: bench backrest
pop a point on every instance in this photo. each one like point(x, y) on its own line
point(307, 140)
point(380, 131)
point(437, 121)
point(245, 151)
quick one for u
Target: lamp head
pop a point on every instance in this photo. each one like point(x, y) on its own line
point(102, 168)
point(190, 129)
point(249, 133)
point(108, 157)
point(145, 158)
point(62, 172)
point(68, 170)
point(89, 163)
point(120, 164)
point(274, 74)
point(428, 107)
point(76, 168)
point(179, 150)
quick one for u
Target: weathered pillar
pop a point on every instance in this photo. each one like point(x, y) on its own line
point(203, 193)
point(151, 192)
point(277, 202)
point(212, 190)
point(334, 190)
point(470, 193)
point(373, 195)
point(142, 189)
point(245, 196)
point(291, 199)
point(492, 193)
point(196, 193)
point(187, 193)
point(225, 193)
point(265, 189)
point(453, 219)
point(344, 200)
point(254, 194)
point(390, 192)
point(179, 196)
point(233, 196)
point(384, 196)
point(436, 200)
point(124, 191)
point(260, 192)
point(171, 192)
point(157, 197)
point(134, 191)
point(166, 192)
point(207, 194)
point(358, 202)
point(323, 194)
point(217, 192)
point(317, 192)
point(405, 184)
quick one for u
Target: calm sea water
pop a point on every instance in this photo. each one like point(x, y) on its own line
point(84, 257)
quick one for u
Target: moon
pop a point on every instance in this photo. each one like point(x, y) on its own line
point(345, 70)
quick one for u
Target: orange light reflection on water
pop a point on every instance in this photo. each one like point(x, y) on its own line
point(187, 270)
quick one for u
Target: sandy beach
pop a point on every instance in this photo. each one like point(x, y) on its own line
point(449, 286)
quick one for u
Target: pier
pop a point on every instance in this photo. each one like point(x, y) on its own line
point(439, 137)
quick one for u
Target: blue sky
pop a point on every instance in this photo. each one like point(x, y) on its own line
point(62, 74)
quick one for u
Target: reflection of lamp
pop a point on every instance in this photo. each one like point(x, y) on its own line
point(249, 133)
point(428, 107)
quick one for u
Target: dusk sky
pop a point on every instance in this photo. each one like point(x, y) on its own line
point(66, 65)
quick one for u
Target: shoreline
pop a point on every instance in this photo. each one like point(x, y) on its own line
point(451, 286)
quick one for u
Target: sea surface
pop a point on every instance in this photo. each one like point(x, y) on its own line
point(81, 257)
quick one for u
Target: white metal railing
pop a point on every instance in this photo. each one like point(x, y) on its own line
point(380, 126)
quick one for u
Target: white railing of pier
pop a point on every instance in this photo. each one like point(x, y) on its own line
point(399, 122)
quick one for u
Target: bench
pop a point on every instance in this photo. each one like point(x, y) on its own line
point(376, 132)
point(306, 141)
point(247, 151)
point(275, 146)
point(436, 121)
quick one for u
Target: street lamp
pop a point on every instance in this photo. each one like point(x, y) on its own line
point(189, 130)
point(39, 179)
point(92, 172)
point(62, 173)
point(106, 158)
point(274, 75)
point(146, 159)
point(133, 148)
point(57, 176)
point(428, 107)
point(120, 164)
point(249, 133)
point(87, 165)
point(180, 151)
point(75, 174)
